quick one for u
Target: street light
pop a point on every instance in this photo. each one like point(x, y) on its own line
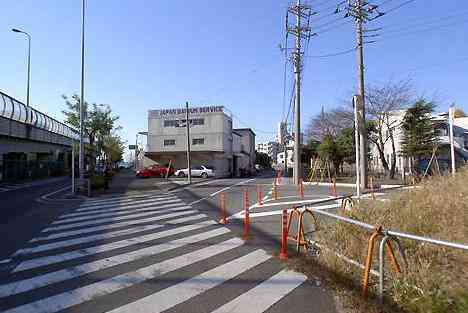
point(29, 62)
point(82, 101)
point(136, 147)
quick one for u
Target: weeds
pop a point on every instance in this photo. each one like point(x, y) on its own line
point(436, 278)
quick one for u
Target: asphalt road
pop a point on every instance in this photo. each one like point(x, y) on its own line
point(153, 246)
point(21, 216)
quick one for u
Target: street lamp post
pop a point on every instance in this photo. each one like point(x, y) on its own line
point(29, 63)
point(82, 101)
point(136, 147)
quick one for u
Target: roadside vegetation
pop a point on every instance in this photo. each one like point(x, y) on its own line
point(435, 279)
point(105, 148)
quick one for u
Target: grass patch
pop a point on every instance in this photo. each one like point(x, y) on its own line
point(435, 279)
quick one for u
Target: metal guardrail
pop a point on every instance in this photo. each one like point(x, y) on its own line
point(388, 235)
point(15, 110)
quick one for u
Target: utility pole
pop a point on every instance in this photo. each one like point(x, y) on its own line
point(187, 125)
point(452, 147)
point(356, 144)
point(362, 11)
point(302, 12)
point(362, 112)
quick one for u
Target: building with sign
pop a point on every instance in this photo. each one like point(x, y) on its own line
point(213, 141)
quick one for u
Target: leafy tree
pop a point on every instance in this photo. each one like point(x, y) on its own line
point(98, 123)
point(113, 148)
point(262, 159)
point(419, 137)
point(345, 144)
point(329, 150)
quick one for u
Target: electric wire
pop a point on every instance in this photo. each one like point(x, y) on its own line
point(399, 6)
point(332, 54)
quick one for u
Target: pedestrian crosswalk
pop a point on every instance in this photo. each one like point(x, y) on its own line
point(4, 187)
point(142, 253)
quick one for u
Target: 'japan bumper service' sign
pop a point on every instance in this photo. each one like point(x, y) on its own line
point(199, 110)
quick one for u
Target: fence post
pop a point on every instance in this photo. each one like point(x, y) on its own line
point(284, 236)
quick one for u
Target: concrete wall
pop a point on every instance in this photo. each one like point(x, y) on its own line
point(216, 133)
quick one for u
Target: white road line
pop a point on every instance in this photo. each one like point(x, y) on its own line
point(104, 236)
point(117, 211)
point(115, 208)
point(123, 198)
point(170, 297)
point(79, 295)
point(110, 205)
point(292, 202)
point(71, 242)
point(278, 212)
point(263, 296)
point(123, 201)
point(5, 261)
point(85, 231)
point(119, 218)
point(221, 190)
point(46, 260)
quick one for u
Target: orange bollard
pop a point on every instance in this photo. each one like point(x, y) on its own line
point(246, 216)
point(222, 204)
point(301, 189)
point(333, 188)
point(275, 192)
point(259, 195)
point(284, 236)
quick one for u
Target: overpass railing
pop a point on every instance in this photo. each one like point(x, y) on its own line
point(12, 109)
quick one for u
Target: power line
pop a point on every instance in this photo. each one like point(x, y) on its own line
point(333, 27)
point(402, 34)
point(399, 6)
point(423, 23)
point(332, 54)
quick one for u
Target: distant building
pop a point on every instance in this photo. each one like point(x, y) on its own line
point(213, 141)
point(441, 126)
point(271, 148)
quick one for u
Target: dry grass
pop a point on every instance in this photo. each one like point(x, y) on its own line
point(436, 278)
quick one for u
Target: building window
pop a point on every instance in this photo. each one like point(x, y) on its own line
point(197, 121)
point(171, 123)
point(181, 123)
point(198, 141)
point(169, 142)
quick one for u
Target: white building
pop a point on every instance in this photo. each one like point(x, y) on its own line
point(213, 141)
point(442, 128)
point(270, 148)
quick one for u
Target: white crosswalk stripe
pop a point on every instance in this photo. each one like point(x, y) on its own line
point(109, 245)
point(263, 296)
point(10, 187)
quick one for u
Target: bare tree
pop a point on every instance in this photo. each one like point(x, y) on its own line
point(330, 123)
point(382, 102)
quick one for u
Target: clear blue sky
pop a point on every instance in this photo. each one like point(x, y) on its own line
point(145, 54)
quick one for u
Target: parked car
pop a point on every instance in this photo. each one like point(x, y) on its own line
point(197, 171)
point(155, 170)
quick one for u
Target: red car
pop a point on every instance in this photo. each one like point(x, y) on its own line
point(155, 170)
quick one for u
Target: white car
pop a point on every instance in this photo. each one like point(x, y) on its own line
point(197, 171)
